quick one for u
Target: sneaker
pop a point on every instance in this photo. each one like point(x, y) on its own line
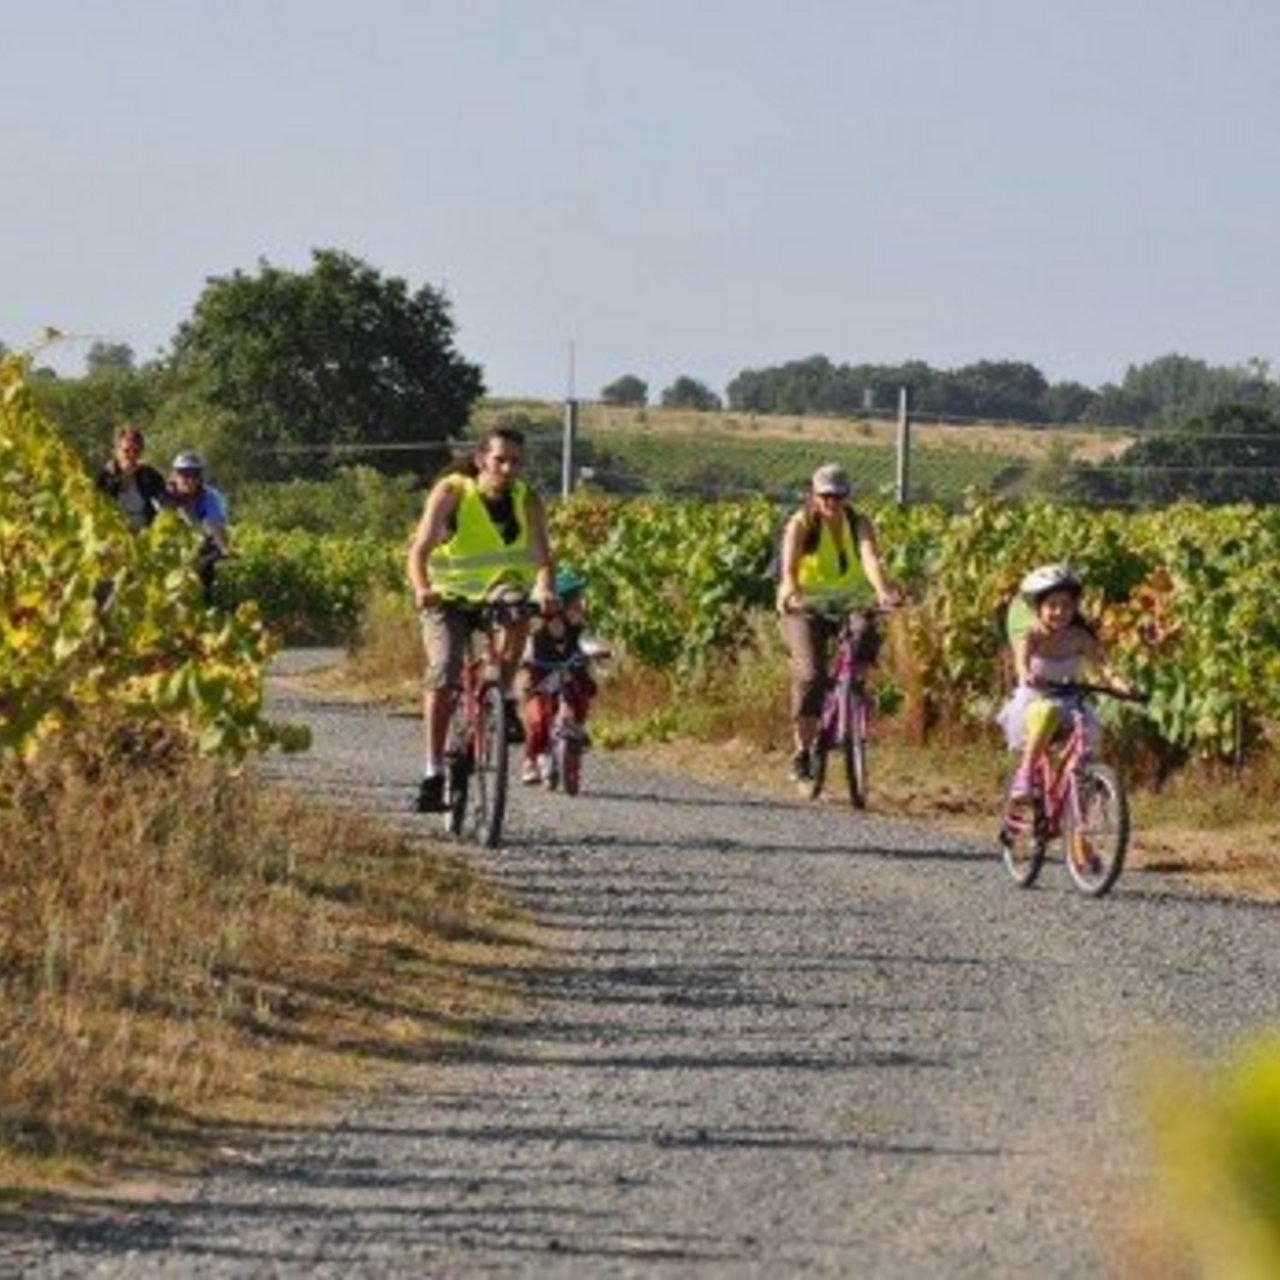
point(801, 769)
point(530, 774)
point(431, 795)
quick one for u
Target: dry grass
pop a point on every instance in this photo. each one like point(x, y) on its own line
point(386, 660)
point(183, 950)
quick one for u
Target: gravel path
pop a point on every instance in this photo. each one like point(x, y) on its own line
point(777, 1040)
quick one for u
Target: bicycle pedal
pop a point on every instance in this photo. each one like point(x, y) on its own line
point(1016, 824)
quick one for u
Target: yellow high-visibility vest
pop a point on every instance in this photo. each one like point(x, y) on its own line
point(819, 570)
point(475, 559)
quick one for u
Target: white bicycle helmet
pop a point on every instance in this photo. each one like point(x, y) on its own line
point(188, 460)
point(1049, 577)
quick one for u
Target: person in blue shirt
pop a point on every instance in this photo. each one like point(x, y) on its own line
point(205, 509)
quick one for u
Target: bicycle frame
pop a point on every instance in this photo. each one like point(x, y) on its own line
point(844, 708)
point(1057, 772)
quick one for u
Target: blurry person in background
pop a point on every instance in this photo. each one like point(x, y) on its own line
point(205, 509)
point(137, 487)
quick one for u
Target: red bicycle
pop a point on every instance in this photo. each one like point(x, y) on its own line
point(477, 755)
point(1073, 798)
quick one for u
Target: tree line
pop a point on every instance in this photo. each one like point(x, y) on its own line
point(280, 373)
point(1206, 433)
point(1157, 394)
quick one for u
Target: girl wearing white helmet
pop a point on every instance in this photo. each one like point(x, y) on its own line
point(1052, 641)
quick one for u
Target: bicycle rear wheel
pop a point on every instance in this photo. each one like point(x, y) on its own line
point(854, 749)
point(1022, 837)
point(487, 787)
point(1095, 842)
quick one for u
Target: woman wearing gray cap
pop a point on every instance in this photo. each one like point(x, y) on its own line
point(828, 549)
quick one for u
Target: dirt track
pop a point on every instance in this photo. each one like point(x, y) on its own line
point(771, 1040)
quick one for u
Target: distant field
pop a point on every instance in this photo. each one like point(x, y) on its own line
point(726, 463)
point(677, 451)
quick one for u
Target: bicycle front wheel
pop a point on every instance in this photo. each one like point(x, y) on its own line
point(566, 751)
point(854, 749)
point(812, 785)
point(487, 801)
point(1023, 844)
point(1096, 829)
point(568, 756)
point(459, 763)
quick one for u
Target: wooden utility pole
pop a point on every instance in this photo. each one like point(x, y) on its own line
point(902, 490)
point(570, 432)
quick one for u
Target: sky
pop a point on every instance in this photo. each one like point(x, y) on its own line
point(661, 188)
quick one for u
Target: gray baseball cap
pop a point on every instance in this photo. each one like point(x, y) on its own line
point(833, 479)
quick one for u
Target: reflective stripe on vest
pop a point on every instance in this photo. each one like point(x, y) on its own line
point(819, 570)
point(475, 558)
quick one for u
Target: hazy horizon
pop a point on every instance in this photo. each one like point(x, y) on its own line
point(664, 189)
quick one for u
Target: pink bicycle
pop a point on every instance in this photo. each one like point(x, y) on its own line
point(846, 707)
point(1073, 798)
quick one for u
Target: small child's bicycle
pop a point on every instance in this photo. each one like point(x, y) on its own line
point(1073, 797)
point(846, 706)
point(562, 765)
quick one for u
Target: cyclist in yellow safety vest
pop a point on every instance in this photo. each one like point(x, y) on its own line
point(827, 549)
point(481, 528)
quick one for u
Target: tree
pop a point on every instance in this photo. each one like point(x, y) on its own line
point(627, 390)
point(338, 355)
point(106, 358)
point(999, 389)
point(88, 411)
point(689, 393)
point(1229, 454)
point(1070, 402)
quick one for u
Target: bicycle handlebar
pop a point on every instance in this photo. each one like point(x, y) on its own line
point(574, 660)
point(498, 611)
point(1084, 687)
point(836, 605)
